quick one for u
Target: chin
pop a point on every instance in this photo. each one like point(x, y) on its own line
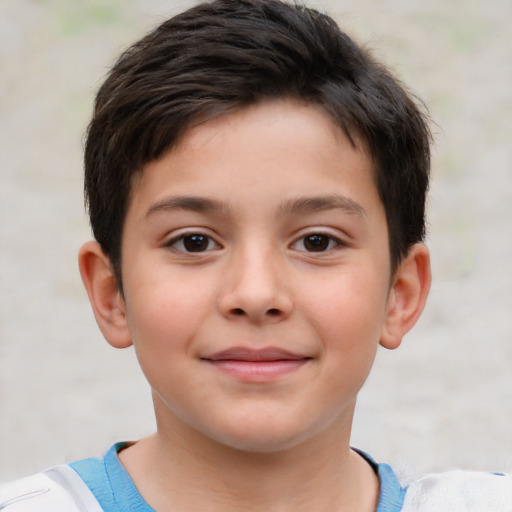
point(262, 445)
point(264, 440)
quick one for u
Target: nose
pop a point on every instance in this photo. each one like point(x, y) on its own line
point(255, 288)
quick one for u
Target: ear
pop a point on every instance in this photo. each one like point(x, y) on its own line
point(407, 296)
point(106, 299)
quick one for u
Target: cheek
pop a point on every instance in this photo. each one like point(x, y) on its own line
point(163, 325)
point(350, 308)
point(350, 332)
point(166, 312)
point(348, 317)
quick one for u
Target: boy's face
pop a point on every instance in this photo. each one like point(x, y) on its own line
point(256, 277)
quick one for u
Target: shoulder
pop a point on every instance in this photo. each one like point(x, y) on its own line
point(460, 491)
point(58, 489)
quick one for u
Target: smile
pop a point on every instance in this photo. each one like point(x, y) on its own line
point(257, 365)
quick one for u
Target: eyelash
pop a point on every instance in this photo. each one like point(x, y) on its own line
point(332, 242)
point(178, 243)
point(198, 240)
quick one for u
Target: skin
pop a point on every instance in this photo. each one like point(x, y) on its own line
point(260, 236)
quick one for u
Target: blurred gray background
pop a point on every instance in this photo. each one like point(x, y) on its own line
point(443, 400)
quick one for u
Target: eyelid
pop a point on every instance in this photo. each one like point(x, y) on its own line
point(319, 231)
point(188, 232)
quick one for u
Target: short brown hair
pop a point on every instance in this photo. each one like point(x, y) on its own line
point(223, 55)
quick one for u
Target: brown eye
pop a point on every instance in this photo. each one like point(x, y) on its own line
point(193, 243)
point(316, 243)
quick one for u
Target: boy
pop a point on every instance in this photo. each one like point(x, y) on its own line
point(256, 186)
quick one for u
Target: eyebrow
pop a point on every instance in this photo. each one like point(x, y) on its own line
point(189, 203)
point(302, 205)
point(299, 205)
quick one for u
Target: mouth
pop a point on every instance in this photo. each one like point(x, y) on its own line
point(257, 365)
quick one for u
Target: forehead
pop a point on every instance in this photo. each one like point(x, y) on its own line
point(282, 149)
point(308, 121)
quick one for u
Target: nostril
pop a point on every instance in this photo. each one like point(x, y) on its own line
point(238, 311)
point(273, 312)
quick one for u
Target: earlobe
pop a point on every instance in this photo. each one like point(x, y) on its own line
point(407, 296)
point(106, 300)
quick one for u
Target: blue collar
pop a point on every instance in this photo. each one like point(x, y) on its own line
point(116, 492)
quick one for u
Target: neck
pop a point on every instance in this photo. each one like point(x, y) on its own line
point(189, 471)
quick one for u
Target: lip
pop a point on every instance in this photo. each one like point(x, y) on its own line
point(257, 365)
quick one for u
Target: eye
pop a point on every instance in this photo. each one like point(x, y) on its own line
point(195, 242)
point(316, 242)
